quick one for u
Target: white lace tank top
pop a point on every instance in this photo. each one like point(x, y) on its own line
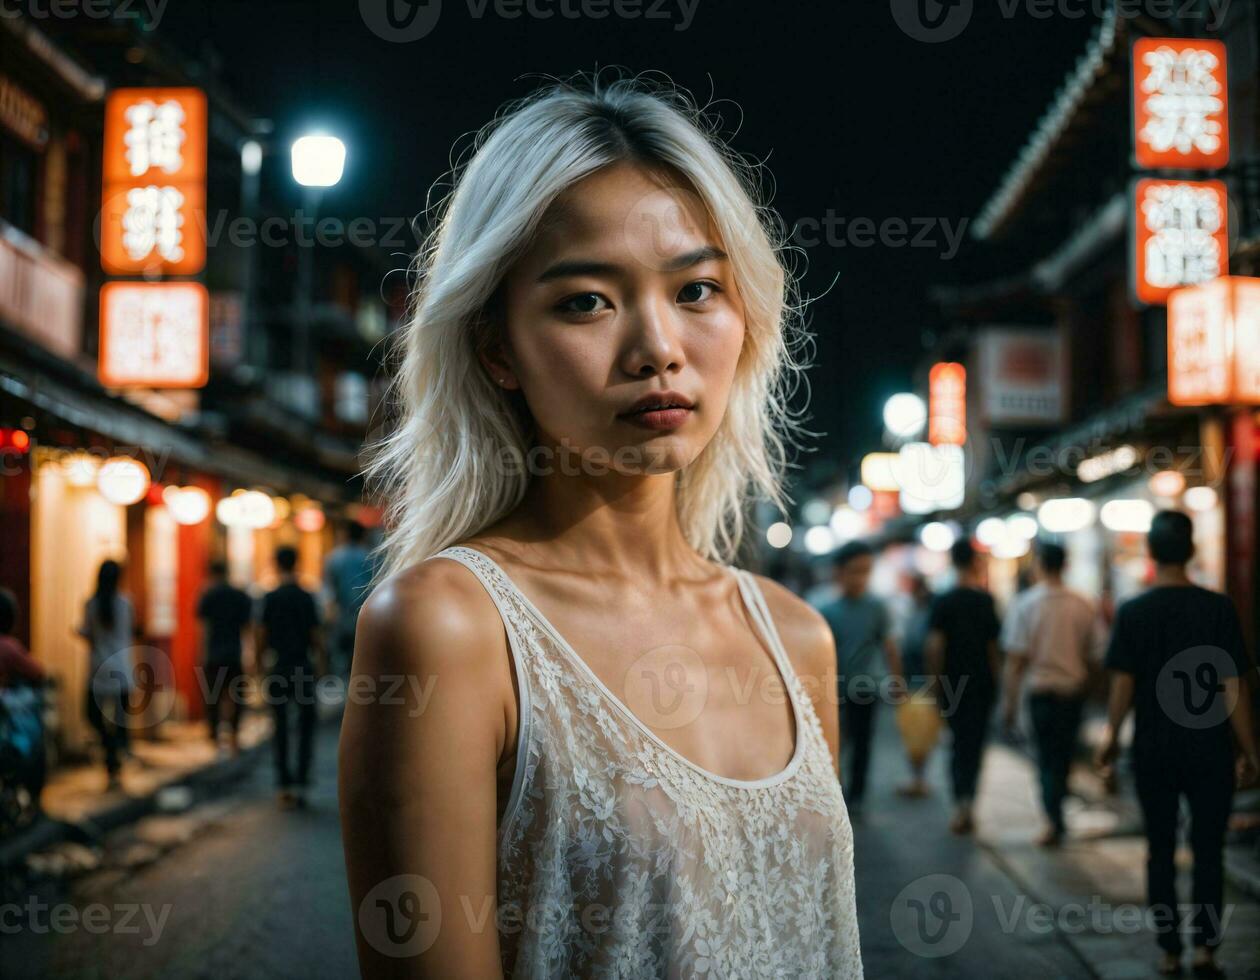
point(620, 858)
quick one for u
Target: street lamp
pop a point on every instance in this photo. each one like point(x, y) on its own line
point(318, 161)
point(905, 416)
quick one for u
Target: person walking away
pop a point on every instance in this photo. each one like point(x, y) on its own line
point(1051, 637)
point(1177, 656)
point(962, 653)
point(289, 623)
point(348, 574)
point(918, 716)
point(107, 625)
point(864, 647)
point(21, 682)
point(226, 611)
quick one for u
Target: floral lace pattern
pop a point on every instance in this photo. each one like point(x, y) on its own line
point(619, 858)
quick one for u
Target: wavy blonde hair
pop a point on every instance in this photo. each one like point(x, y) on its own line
point(439, 468)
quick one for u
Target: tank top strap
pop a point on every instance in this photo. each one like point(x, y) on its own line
point(504, 596)
point(761, 613)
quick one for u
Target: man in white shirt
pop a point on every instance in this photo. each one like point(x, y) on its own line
point(1051, 636)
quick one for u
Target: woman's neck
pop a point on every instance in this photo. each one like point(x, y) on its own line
point(625, 525)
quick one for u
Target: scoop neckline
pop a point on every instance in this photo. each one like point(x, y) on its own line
point(768, 640)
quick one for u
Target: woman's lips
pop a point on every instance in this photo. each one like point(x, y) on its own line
point(659, 419)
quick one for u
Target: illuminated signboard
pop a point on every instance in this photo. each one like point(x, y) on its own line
point(1180, 104)
point(154, 167)
point(154, 335)
point(947, 397)
point(1180, 235)
point(1214, 343)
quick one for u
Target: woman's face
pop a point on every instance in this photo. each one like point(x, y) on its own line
point(626, 292)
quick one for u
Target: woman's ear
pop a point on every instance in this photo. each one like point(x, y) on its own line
point(496, 364)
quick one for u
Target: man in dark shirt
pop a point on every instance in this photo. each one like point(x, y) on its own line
point(962, 653)
point(290, 635)
point(226, 611)
point(1177, 655)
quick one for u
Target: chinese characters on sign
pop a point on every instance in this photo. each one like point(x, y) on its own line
point(153, 216)
point(1180, 104)
point(947, 400)
point(1214, 343)
point(1021, 377)
point(1181, 235)
point(154, 334)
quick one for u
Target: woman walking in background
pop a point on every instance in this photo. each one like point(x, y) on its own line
point(107, 626)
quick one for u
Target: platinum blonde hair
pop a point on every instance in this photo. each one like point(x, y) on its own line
point(440, 468)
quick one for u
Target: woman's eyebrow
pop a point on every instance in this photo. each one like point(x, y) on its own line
point(578, 267)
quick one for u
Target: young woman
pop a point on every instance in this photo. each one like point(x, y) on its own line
point(618, 755)
point(107, 626)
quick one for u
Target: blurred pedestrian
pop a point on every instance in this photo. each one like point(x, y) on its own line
point(226, 612)
point(21, 708)
point(107, 625)
point(962, 653)
point(918, 716)
point(289, 632)
point(1177, 655)
point(17, 666)
point(348, 573)
point(865, 655)
point(1052, 636)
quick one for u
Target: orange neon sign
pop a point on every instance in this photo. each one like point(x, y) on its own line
point(154, 174)
point(1180, 237)
point(947, 401)
point(1214, 343)
point(1180, 104)
point(154, 335)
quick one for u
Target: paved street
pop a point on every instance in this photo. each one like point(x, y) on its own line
point(253, 892)
point(235, 887)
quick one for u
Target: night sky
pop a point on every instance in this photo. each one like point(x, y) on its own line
point(853, 117)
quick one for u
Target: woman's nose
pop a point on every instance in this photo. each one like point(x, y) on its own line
point(655, 345)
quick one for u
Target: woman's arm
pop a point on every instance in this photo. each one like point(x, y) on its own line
point(424, 729)
point(811, 646)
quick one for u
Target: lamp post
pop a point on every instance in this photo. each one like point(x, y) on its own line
point(318, 162)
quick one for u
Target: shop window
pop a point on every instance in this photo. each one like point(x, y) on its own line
point(17, 185)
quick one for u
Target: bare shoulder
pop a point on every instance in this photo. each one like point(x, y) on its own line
point(433, 614)
point(805, 634)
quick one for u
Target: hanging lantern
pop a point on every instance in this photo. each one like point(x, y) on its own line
point(80, 469)
point(123, 480)
point(188, 505)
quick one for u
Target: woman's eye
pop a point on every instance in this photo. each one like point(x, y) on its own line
point(583, 304)
point(697, 292)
